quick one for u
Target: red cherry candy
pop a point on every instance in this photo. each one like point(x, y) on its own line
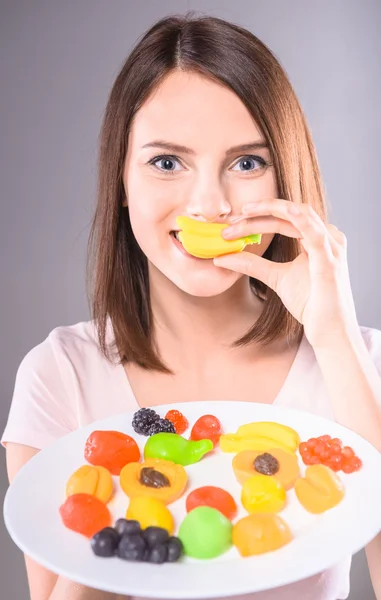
point(214, 497)
point(207, 427)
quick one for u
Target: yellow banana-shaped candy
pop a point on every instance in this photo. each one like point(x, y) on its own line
point(231, 442)
point(204, 240)
point(283, 434)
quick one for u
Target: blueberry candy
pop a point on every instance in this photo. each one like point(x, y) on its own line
point(105, 542)
point(132, 547)
point(175, 549)
point(127, 527)
point(158, 554)
point(155, 536)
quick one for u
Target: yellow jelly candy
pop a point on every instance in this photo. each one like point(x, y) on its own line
point(204, 240)
point(257, 534)
point(263, 494)
point(320, 489)
point(96, 481)
point(150, 512)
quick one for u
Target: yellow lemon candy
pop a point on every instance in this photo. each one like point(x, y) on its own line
point(150, 512)
point(263, 494)
point(96, 481)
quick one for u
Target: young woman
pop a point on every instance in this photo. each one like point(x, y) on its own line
point(202, 121)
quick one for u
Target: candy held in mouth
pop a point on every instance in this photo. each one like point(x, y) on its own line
point(204, 240)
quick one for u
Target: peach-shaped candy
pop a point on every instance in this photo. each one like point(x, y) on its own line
point(260, 533)
point(96, 481)
point(287, 466)
point(320, 489)
point(263, 494)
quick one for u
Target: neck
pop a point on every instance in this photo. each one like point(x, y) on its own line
point(189, 329)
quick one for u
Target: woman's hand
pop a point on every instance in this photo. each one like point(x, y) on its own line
point(315, 287)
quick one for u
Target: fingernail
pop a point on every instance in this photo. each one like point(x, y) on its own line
point(229, 232)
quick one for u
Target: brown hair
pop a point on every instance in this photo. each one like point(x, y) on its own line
point(231, 55)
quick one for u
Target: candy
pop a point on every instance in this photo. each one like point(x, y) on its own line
point(180, 422)
point(205, 533)
point(150, 512)
point(105, 542)
point(161, 479)
point(261, 437)
point(85, 514)
point(96, 481)
point(143, 419)
point(282, 465)
point(329, 452)
point(263, 494)
point(173, 447)
point(207, 427)
point(162, 426)
point(215, 497)
point(111, 449)
point(320, 489)
point(260, 533)
point(204, 240)
point(269, 429)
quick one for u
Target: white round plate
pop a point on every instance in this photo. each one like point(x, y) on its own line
point(31, 512)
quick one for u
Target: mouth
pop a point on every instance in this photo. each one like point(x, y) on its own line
point(175, 233)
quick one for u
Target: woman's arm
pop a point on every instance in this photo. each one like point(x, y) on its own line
point(43, 584)
point(354, 387)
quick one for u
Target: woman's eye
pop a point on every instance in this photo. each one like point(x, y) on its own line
point(166, 164)
point(251, 164)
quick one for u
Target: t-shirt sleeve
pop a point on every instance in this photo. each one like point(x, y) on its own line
point(372, 339)
point(40, 410)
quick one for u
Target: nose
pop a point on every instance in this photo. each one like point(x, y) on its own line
point(208, 204)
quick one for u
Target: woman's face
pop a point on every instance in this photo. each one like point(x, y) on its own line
point(206, 179)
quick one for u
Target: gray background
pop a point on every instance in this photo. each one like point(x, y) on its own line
point(58, 61)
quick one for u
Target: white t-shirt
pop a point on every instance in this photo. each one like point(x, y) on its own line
point(65, 382)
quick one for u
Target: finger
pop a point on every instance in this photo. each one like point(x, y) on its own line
point(260, 225)
point(316, 238)
point(252, 265)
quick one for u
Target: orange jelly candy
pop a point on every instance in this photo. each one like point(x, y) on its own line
point(260, 533)
point(85, 514)
point(320, 489)
point(111, 449)
point(215, 497)
point(96, 481)
point(277, 462)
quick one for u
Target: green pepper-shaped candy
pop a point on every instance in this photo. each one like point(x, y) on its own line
point(170, 446)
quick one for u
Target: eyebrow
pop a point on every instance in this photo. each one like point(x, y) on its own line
point(258, 145)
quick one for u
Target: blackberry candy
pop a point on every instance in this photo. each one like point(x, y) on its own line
point(161, 426)
point(143, 419)
point(105, 542)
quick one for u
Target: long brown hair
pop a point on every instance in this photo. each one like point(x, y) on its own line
point(227, 54)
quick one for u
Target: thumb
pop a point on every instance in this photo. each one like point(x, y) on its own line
point(252, 265)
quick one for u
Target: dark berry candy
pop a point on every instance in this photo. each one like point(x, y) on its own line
point(127, 527)
point(105, 542)
point(175, 549)
point(155, 536)
point(132, 547)
point(143, 419)
point(162, 426)
point(158, 554)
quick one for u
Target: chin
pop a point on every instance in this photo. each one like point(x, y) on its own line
point(208, 284)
